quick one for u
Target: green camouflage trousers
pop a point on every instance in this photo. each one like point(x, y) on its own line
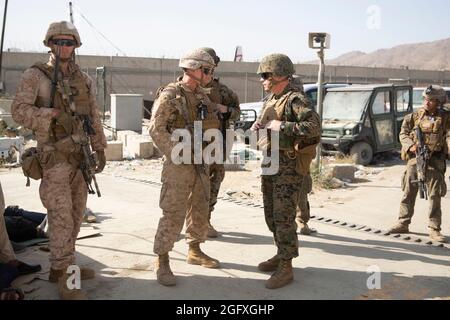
point(436, 187)
point(303, 208)
point(216, 176)
point(281, 195)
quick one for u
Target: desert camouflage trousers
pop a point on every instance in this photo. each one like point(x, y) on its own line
point(436, 187)
point(216, 176)
point(6, 250)
point(184, 196)
point(281, 194)
point(63, 193)
point(303, 208)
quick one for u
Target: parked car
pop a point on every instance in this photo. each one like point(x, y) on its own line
point(362, 120)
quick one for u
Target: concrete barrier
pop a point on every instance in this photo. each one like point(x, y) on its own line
point(114, 151)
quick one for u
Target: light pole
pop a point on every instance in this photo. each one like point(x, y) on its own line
point(1, 45)
point(320, 41)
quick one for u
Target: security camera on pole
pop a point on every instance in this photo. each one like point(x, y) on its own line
point(321, 41)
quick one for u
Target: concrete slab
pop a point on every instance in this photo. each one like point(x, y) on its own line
point(333, 264)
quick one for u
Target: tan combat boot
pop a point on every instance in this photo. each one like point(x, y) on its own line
point(197, 256)
point(437, 236)
point(66, 293)
point(283, 276)
point(163, 273)
point(270, 265)
point(86, 274)
point(212, 233)
point(304, 228)
point(399, 228)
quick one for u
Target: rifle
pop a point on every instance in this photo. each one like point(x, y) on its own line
point(199, 168)
point(422, 157)
point(223, 130)
point(88, 163)
point(55, 79)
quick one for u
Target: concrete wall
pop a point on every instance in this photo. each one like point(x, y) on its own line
point(145, 75)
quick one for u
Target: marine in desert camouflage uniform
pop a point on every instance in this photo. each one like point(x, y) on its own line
point(185, 186)
point(227, 104)
point(63, 190)
point(434, 122)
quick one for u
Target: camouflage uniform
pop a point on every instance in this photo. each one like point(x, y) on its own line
point(6, 250)
point(436, 131)
point(221, 94)
point(303, 208)
point(184, 188)
point(63, 191)
point(281, 191)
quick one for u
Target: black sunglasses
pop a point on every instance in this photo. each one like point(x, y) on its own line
point(64, 42)
point(206, 71)
point(266, 75)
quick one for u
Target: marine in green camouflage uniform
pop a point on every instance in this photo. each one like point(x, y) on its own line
point(434, 122)
point(287, 111)
point(303, 208)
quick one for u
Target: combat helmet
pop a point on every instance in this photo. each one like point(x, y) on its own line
point(278, 64)
point(435, 92)
point(196, 59)
point(213, 54)
point(62, 28)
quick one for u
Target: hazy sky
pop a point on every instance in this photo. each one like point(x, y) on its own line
point(170, 28)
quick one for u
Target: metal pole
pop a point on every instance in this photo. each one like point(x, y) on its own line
point(320, 101)
point(72, 21)
point(1, 45)
point(161, 71)
point(246, 86)
point(71, 12)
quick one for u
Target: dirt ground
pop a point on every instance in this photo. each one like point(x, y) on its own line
point(246, 184)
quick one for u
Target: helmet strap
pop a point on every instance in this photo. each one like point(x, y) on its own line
point(274, 82)
point(196, 79)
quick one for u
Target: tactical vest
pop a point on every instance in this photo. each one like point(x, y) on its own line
point(433, 128)
point(72, 96)
point(190, 101)
point(275, 109)
point(303, 150)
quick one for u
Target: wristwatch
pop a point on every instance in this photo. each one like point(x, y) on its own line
point(282, 126)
